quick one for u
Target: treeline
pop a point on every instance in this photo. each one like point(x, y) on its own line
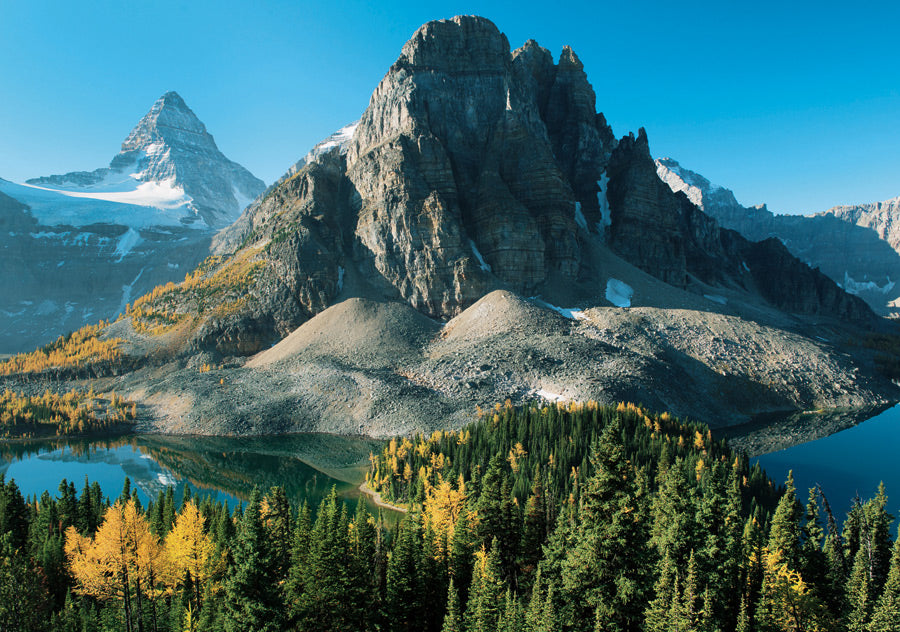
point(73, 412)
point(218, 286)
point(593, 518)
point(76, 351)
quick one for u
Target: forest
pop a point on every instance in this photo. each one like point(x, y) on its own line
point(575, 517)
point(72, 413)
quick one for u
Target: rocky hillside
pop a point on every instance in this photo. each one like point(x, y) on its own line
point(852, 245)
point(78, 248)
point(481, 234)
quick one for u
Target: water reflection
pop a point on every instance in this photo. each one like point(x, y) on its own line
point(846, 452)
point(223, 468)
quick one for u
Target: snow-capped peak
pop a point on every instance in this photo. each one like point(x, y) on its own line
point(168, 161)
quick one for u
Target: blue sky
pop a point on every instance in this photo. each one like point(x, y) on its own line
point(797, 106)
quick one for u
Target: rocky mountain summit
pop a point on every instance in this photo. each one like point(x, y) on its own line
point(856, 246)
point(170, 150)
point(479, 235)
point(79, 247)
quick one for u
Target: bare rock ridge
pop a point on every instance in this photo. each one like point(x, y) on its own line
point(78, 248)
point(665, 234)
point(476, 168)
point(856, 246)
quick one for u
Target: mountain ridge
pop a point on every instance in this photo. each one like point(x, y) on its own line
point(483, 202)
point(857, 246)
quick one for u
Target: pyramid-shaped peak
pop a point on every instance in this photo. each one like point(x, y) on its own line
point(170, 121)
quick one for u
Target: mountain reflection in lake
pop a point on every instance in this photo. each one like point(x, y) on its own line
point(223, 468)
point(846, 452)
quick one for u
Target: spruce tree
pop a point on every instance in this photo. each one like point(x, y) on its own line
point(859, 594)
point(453, 617)
point(404, 600)
point(251, 599)
point(606, 569)
point(886, 615)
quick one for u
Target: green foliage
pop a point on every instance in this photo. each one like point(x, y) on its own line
point(623, 521)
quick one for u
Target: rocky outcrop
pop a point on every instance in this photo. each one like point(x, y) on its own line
point(470, 169)
point(473, 168)
point(851, 245)
point(662, 232)
point(881, 217)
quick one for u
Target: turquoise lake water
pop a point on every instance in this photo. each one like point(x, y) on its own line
point(846, 463)
point(225, 469)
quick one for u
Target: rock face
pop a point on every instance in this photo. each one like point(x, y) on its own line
point(476, 168)
point(882, 217)
point(77, 248)
point(852, 245)
point(171, 147)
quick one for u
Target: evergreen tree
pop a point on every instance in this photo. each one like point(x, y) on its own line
point(784, 534)
point(404, 599)
point(656, 616)
point(859, 593)
point(606, 570)
point(832, 590)
point(486, 593)
point(453, 617)
point(251, 599)
point(886, 615)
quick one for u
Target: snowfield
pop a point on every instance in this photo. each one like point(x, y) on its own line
point(619, 293)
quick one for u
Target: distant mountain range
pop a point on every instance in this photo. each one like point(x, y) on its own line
point(76, 248)
point(857, 246)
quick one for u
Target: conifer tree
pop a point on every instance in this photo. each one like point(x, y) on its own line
point(606, 570)
point(784, 534)
point(453, 617)
point(251, 600)
point(656, 616)
point(886, 615)
point(461, 551)
point(404, 606)
point(486, 593)
point(859, 593)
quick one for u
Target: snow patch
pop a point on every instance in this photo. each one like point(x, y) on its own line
point(145, 204)
point(579, 216)
point(603, 202)
point(126, 292)
point(481, 262)
point(855, 287)
point(242, 200)
point(619, 293)
point(745, 266)
point(715, 298)
point(127, 242)
point(572, 313)
point(550, 396)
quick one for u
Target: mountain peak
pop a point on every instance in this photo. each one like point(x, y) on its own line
point(171, 122)
point(170, 149)
point(465, 42)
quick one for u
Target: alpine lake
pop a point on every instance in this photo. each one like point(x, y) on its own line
point(845, 452)
point(224, 469)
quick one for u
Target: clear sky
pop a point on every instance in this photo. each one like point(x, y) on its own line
point(796, 104)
